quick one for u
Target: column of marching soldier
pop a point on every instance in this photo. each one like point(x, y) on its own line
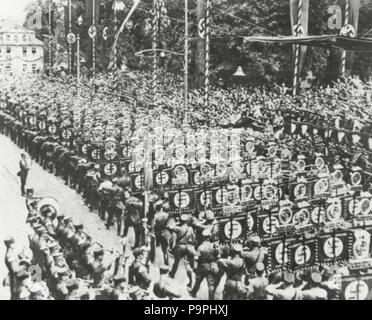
point(70, 267)
point(242, 269)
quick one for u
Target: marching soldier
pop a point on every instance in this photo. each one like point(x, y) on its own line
point(98, 268)
point(164, 288)
point(12, 263)
point(120, 288)
point(284, 290)
point(138, 273)
point(184, 247)
point(207, 256)
point(234, 268)
point(162, 234)
point(257, 285)
point(132, 217)
point(253, 254)
point(314, 291)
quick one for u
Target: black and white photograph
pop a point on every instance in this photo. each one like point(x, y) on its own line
point(186, 150)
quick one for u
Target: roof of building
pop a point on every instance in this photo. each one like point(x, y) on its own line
point(26, 37)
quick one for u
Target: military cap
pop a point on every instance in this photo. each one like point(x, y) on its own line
point(98, 252)
point(79, 226)
point(288, 277)
point(8, 241)
point(260, 267)
point(134, 291)
point(72, 284)
point(53, 244)
point(60, 217)
point(61, 270)
point(24, 262)
point(209, 215)
point(316, 277)
point(184, 217)
point(119, 278)
point(67, 219)
point(237, 247)
point(22, 275)
point(159, 203)
point(206, 233)
point(138, 251)
point(164, 269)
point(57, 254)
point(36, 288)
point(255, 239)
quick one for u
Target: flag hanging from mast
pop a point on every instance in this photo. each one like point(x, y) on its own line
point(349, 29)
point(299, 13)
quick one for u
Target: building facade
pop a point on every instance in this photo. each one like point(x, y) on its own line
point(20, 51)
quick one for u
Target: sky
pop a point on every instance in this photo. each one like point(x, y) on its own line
point(13, 10)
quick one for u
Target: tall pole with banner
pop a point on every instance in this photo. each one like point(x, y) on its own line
point(70, 42)
point(298, 33)
point(343, 57)
point(155, 30)
point(186, 66)
point(207, 54)
point(50, 34)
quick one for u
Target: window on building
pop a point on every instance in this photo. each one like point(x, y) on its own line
point(8, 50)
point(24, 69)
point(24, 38)
point(24, 50)
point(34, 68)
point(33, 50)
point(16, 38)
point(8, 67)
point(1, 67)
point(8, 37)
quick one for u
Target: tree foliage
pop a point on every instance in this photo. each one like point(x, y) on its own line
point(231, 21)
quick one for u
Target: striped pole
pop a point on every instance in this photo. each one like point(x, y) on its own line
point(343, 57)
point(207, 54)
point(297, 50)
point(115, 31)
point(155, 29)
point(70, 30)
point(94, 40)
point(51, 35)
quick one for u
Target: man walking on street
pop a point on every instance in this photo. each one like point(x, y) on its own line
point(23, 173)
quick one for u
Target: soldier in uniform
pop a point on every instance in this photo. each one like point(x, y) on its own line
point(24, 284)
point(284, 290)
point(253, 254)
point(98, 268)
point(184, 247)
point(207, 256)
point(138, 273)
point(120, 288)
point(61, 291)
point(162, 234)
point(234, 268)
point(164, 288)
point(133, 215)
point(257, 285)
point(12, 263)
point(313, 290)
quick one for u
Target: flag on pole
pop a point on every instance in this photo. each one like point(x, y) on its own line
point(299, 13)
point(349, 29)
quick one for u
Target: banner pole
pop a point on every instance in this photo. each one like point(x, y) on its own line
point(343, 57)
point(297, 53)
point(207, 54)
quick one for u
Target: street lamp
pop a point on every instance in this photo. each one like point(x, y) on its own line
point(239, 76)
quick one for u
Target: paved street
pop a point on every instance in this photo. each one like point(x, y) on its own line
point(13, 212)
